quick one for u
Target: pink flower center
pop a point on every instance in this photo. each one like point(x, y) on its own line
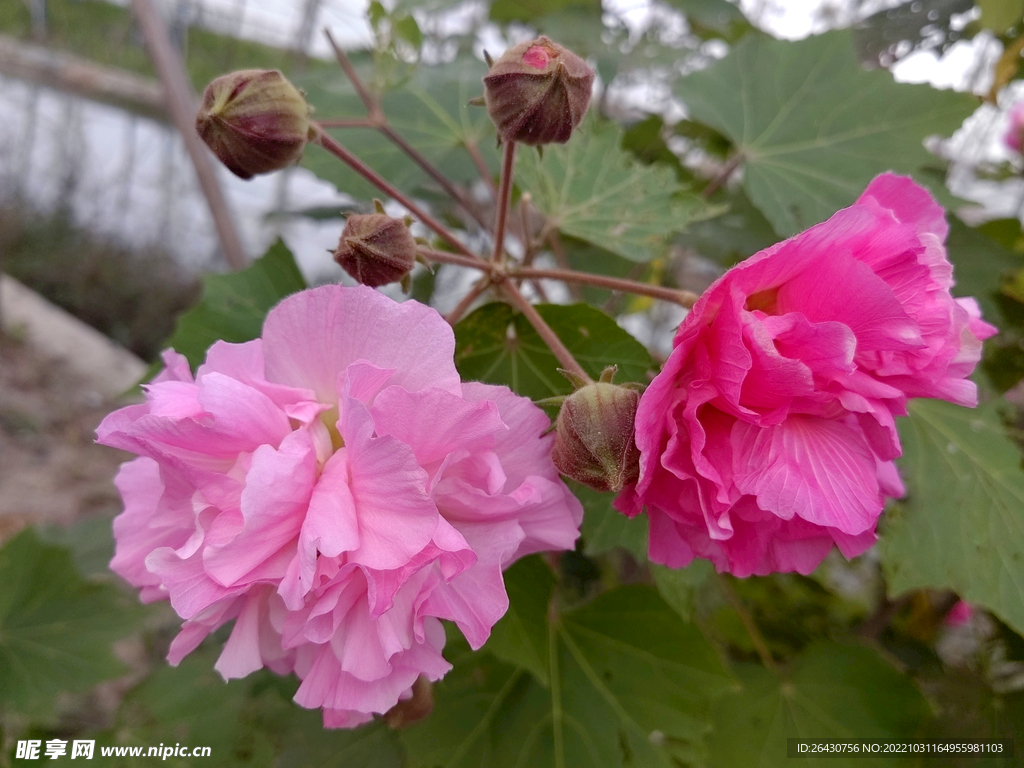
point(538, 56)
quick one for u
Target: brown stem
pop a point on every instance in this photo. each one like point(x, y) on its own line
point(684, 298)
point(181, 103)
point(377, 119)
point(508, 160)
point(372, 106)
point(481, 166)
point(326, 141)
point(555, 241)
point(748, 623)
point(467, 301)
point(456, 194)
point(444, 257)
point(723, 175)
point(359, 122)
point(545, 331)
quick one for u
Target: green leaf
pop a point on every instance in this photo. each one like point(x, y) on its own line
point(1001, 15)
point(718, 17)
point(812, 126)
point(521, 636)
point(497, 346)
point(430, 111)
point(980, 265)
point(882, 37)
point(630, 684)
point(56, 629)
point(192, 704)
point(739, 232)
point(960, 526)
point(246, 723)
point(605, 528)
point(833, 692)
point(233, 306)
point(592, 189)
point(307, 744)
point(678, 586)
point(505, 11)
point(91, 541)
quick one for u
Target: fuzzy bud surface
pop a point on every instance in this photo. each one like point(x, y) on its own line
point(376, 249)
point(254, 121)
point(594, 443)
point(538, 92)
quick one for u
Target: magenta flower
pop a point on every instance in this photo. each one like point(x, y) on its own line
point(1015, 131)
point(959, 614)
point(335, 490)
point(770, 433)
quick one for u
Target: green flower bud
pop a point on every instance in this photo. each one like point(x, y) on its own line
point(376, 249)
point(594, 442)
point(538, 92)
point(254, 121)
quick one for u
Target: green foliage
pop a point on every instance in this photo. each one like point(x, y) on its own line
point(495, 345)
point(980, 266)
point(504, 11)
point(960, 527)
point(521, 637)
point(233, 306)
point(1001, 15)
point(605, 528)
point(430, 111)
point(832, 692)
point(882, 37)
point(713, 17)
point(679, 586)
point(590, 188)
point(56, 628)
point(812, 127)
point(629, 684)
point(248, 722)
point(737, 233)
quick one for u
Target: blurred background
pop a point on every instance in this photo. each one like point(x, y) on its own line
point(106, 228)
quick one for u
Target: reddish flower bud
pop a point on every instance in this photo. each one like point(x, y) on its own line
point(412, 710)
point(376, 249)
point(254, 121)
point(594, 441)
point(538, 92)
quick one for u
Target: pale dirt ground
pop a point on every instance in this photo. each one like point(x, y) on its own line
point(51, 471)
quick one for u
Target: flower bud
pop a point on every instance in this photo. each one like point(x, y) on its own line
point(594, 442)
point(411, 710)
point(376, 249)
point(254, 121)
point(537, 92)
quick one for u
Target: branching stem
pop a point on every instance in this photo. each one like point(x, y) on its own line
point(508, 160)
point(326, 141)
point(376, 118)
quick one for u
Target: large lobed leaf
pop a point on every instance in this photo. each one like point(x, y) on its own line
point(812, 126)
point(56, 629)
point(628, 684)
point(833, 691)
point(233, 306)
point(592, 189)
point(961, 526)
point(497, 346)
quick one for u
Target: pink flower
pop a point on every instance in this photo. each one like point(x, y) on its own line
point(1015, 132)
point(959, 614)
point(770, 433)
point(335, 490)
